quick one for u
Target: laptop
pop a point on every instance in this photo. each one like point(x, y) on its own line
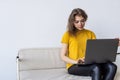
point(101, 50)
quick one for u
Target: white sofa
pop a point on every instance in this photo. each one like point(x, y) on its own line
point(45, 64)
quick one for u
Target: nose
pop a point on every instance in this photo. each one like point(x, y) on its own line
point(80, 23)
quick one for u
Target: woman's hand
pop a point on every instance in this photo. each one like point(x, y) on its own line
point(119, 41)
point(80, 61)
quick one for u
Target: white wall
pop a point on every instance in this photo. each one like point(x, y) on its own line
point(41, 23)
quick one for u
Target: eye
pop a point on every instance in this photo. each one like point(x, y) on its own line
point(82, 20)
point(77, 21)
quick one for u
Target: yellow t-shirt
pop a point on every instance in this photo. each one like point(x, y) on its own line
point(77, 44)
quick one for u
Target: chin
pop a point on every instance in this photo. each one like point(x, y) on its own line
point(80, 28)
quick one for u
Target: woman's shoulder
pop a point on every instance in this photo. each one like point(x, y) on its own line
point(66, 33)
point(91, 33)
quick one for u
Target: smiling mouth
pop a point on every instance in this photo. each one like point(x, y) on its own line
point(80, 27)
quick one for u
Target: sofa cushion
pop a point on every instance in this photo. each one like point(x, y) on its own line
point(50, 74)
point(42, 58)
point(117, 77)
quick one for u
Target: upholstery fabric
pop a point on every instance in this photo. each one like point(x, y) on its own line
point(50, 74)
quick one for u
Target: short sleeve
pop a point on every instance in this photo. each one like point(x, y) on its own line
point(93, 36)
point(65, 38)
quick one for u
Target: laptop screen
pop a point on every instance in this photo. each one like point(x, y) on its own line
point(101, 50)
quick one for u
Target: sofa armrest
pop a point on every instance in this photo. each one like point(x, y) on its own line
point(17, 63)
point(118, 53)
point(18, 58)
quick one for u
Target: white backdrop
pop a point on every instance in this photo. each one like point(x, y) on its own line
point(41, 23)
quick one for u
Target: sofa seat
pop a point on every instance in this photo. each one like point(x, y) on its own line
point(117, 62)
point(50, 74)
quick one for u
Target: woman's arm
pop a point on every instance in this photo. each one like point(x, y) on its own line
point(119, 43)
point(64, 52)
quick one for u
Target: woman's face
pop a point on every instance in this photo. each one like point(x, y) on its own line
point(79, 22)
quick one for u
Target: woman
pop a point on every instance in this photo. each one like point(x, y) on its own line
point(73, 49)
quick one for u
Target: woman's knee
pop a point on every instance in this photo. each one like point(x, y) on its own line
point(111, 66)
point(95, 72)
point(96, 68)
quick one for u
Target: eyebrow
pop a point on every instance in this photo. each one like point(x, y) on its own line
point(80, 20)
